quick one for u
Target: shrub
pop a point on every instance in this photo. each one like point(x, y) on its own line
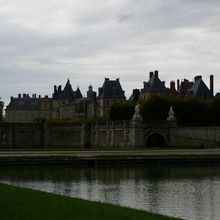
point(122, 111)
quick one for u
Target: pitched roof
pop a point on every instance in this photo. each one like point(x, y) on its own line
point(78, 94)
point(67, 92)
point(111, 89)
point(155, 84)
point(185, 85)
point(25, 103)
point(199, 89)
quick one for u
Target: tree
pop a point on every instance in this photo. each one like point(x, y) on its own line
point(122, 111)
point(216, 110)
point(188, 111)
point(1, 109)
point(155, 108)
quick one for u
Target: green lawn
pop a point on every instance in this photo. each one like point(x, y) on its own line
point(187, 142)
point(26, 204)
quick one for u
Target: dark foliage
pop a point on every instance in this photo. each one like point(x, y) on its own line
point(1, 110)
point(188, 111)
point(156, 108)
point(122, 111)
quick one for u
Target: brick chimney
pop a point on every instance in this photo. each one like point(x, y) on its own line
point(59, 88)
point(172, 88)
point(136, 94)
point(178, 84)
point(55, 89)
point(212, 85)
point(156, 73)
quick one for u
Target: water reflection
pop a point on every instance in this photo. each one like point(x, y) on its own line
point(189, 192)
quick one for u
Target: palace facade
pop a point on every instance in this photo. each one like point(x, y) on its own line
point(65, 104)
point(68, 104)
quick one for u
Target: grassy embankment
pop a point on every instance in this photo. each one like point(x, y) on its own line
point(25, 204)
point(196, 143)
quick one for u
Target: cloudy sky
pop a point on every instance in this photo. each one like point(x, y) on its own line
point(43, 43)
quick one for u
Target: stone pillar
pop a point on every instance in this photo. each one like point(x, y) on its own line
point(172, 123)
point(172, 132)
point(136, 136)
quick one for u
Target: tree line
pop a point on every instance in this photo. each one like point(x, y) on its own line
point(188, 111)
point(1, 110)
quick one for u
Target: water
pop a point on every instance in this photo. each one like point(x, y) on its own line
point(188, 192)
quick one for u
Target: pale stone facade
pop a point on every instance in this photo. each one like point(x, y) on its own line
point(65, 104)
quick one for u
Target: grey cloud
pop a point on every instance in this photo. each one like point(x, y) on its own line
point(93, 40)
point(124, 17)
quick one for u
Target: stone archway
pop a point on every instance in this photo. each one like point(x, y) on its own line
point(156, 140)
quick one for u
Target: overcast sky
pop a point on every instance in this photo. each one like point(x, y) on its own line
point(43, 43)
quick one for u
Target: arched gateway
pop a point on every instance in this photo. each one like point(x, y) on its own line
point(156, 140)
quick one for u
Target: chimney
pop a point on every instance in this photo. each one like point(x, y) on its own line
point(197, 78)
point(59, 88)
point(178, 84)
point(55, 89)
point(150, 75)
point(212, 85)
point(156, 73)
point(172, 85)
point(19, 95)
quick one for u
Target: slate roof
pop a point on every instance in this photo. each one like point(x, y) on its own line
point(111, 89)
point(34, 103)
point(26, 103)
point(155, 84)
point(185, 85)
point(199, 89)
point(135, 95)
point(67, 93)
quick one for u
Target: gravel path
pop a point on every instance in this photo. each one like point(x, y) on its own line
point(113, 153)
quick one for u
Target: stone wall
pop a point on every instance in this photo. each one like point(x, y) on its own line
point(21, 135)
point(203, 133)
point(118, 134)
point(110, 134)
point(63, 135)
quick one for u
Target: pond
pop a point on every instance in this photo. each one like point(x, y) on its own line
point(189, 192)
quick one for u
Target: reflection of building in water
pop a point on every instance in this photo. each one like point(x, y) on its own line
point(187, 192)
